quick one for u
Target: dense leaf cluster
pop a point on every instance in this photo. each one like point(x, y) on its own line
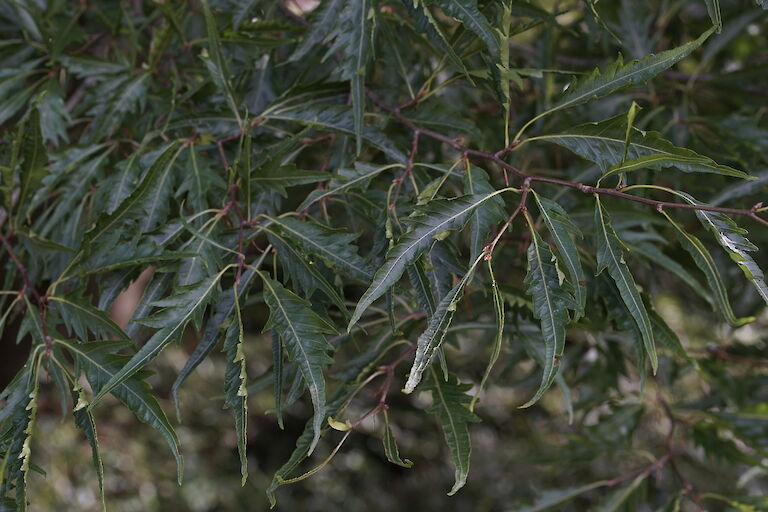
point(438, 196)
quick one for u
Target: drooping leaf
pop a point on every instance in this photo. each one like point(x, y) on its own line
point(431, 339)
point(302, 332)
point(101, 363)
point(235, 381)
point(487, 215)
point(563, 230)
point(390, 445)
point(552, 298)
point(171, 320)
point(449, 404)
point(609, 256)
point(429, 222)
point(731, 237)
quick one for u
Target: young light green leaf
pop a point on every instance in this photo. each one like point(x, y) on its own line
point(449, 404)
point(609, 255)
point(552, 299)
point(302, 332)
point(430, 221)
point(561, 227)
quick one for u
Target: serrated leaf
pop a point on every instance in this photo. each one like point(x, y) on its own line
point(605, 142)
point(476, 181)
point(552, 298)
point(428, 223)
point(235, 381)
point(619, 75)
point(731, 237)
point(83, 317)
point(171, 320)
point(345, 180)
point(85, 422)
point(302, 332)
point(468, 13)
point(449, 404)
point(430, 341)
point(498, 309)
point(33, 157)
point(707, 265)
point(562, 228)
point(390, 445)
point(101, 363)
point(215, 64)
point(609, 256)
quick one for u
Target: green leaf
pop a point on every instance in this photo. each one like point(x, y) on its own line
point(713, 9)
point(561, 227)
point(83, 317)
point(302, 332)
point(431, 339)
point(390, 445)
point(85, 422)
point(334, 247)
point(609, 255)
point(215, 64)
point(468, 13)
point(101, 363)
point(618, 76)
point(551, 498)
point(33, 157)
point(484, 217)
point(552, 299)
point(345, 180)
point(616, 499)
point(449, 404)
point(171, 320)
point(337, 119)
point(605, 143)
point(428, 223)
point(498, 309)
point(731, 237)
point(703, 259)
point(235, 384)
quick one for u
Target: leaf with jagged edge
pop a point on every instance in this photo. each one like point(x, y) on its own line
point(390, 446)
point(731, 237)
point(431, 339)
point(609, 256)
point(476, 181)
point(81, 317)
point(475, 21)
point(177, 311)
point(703, 259)
point(449, 404)
point(604, 143)
point(427, 223)
point(33, 155)
point(235, 381)
point(426, 22)
point(561, 228)
point(279, 178)
point(101, 363)
point(17, 419)
point(215, 64)
point(213, 330)
point(619, 75)
point(344, 180)
point(85, 422)
point(107, 223)
point(339, 119)
point(302, 272)
point(332, 246)
point(552, 298)
point(498, 309)
point(302, 332)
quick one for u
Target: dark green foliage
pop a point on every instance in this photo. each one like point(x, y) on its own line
point(486, 192)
